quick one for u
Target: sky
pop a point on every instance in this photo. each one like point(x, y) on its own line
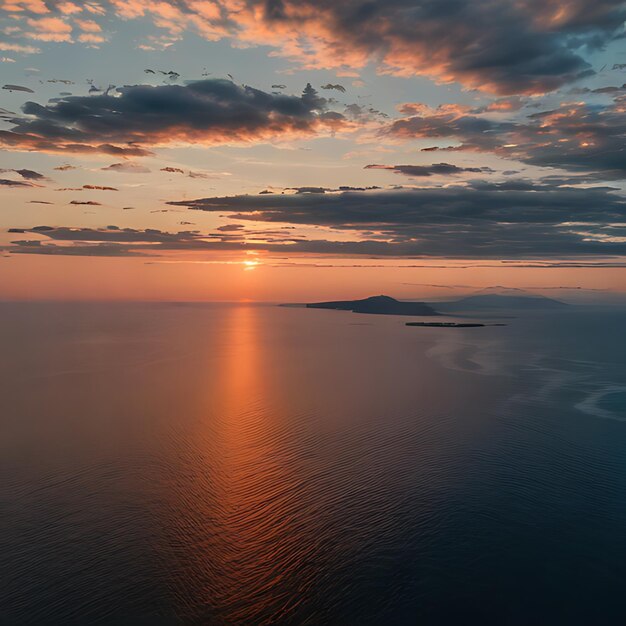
point(247, 150)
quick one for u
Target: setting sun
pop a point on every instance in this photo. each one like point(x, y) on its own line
point(250, 265)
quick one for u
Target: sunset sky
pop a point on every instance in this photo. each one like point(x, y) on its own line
point(293, 150)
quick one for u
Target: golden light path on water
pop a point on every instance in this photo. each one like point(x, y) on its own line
point(247, 529)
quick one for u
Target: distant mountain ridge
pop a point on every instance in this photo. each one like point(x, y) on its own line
point(377, 305)
point(502, 301)
point(491, 299)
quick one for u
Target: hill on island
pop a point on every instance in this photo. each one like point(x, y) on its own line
point(379, 305)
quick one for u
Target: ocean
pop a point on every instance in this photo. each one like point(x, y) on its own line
point(247, 464)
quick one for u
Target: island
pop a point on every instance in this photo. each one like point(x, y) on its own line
point(451, 324)
point(494, 301)
point(377, 305)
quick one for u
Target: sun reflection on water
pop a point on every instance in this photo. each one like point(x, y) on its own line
point(244, 532)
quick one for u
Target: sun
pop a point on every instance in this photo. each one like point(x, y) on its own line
point(250, 265)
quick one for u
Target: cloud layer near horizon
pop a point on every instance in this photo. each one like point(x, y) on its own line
point(513, 220)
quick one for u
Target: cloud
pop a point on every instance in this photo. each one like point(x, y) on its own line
point(49, 29)
point(110, 234)
point(206, 175)
point(336, 86)
point(513, 219)
point(207, 112)
point(110, 241)
point(577, 136)
point(191, 173)
point(30, 174)
point(32, 141)
point(230, 227)
point(15, 47)
point(17, 88)
point(127, 167)
point(66, 168)
point(436, 169)
point(88, 26)
point(5, 182)
point(452, 122)
point(24, 173)
point(314, 190)
point(530, 46)
point(99, 250)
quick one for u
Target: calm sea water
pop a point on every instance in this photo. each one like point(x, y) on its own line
point(169, 464)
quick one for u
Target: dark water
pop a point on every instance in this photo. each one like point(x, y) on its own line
point(167, 464)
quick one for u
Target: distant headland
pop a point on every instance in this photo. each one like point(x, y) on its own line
point(499, 301)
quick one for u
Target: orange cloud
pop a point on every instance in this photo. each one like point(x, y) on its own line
point(69, 8)
point(18, 6)
point(50, 29)
point(89, 26)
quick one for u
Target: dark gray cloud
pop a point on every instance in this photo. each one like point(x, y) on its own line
point(230, 227)
point(511, 201)
point(127, 167)
point(525, 46)
point(206, 175)
point(436, 169)
point(480, 220)
point(189, 173)
point(101, 250)
point(450, 122)
point(6, 182)
point(30, 174)
point(314, 190)
point(207, 111)
point(507, 47)
point(360, 113)
point(27, 174)
point(336, 87)
point(111, 234)
point(576, 136)
point(66, 168)
point(18, 88)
